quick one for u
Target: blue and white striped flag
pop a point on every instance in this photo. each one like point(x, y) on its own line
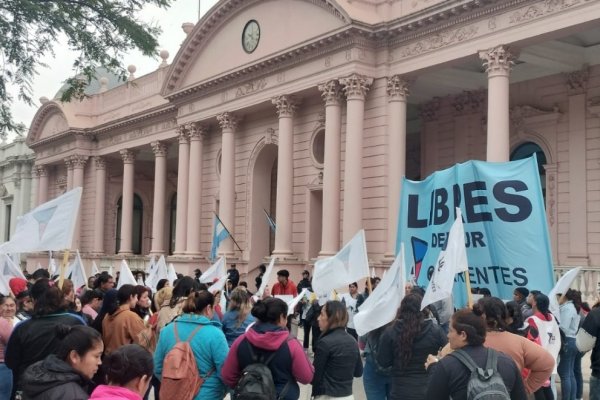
point(220, 233)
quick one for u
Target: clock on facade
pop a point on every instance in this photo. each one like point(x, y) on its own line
point(250, 36)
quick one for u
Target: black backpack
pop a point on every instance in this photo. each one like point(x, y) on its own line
point(256, 382)
point(484, 384)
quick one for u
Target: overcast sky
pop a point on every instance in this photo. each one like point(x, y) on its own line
point(50, 79)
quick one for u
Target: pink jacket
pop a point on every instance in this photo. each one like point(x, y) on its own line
point(105, 392)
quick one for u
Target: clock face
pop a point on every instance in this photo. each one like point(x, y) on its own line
point(250, 36)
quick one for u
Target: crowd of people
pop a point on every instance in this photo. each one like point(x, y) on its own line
point(62, 342)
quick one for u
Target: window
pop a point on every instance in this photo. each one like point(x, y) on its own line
point(138, 214)
point(527, 149)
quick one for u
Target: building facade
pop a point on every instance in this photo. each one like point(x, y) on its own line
point(312, 111)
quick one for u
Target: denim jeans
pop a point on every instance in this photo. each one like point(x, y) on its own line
point(6, 381)
point(594, 388)
point(578, 375)
point(566, 370)
point(377, 386)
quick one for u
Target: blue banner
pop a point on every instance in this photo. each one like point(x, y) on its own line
point(506, 233)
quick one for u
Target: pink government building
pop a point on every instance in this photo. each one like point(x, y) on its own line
point(313, 111)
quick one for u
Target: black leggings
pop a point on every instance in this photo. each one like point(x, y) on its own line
point(544, 393)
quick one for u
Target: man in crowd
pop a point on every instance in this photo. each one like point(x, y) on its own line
point(233, 275)
point(284, 285)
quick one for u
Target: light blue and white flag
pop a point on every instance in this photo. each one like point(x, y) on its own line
point(220, 233)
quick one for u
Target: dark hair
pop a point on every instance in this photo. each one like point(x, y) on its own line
point(270, 310)
point(183, 287)
point(124, 293)
point(575, 297)
point(161, 284)
point(140, 290)
point(411, 318)
point(128, 363)
point(283, 272)
point(542, 303)
point(102, 279)
point(534, 292)
point(40, 273)
point(198, 301)
point(337, 315)
point(89, 295)
point(109, 306)
point(514, 312)
point(353, 284)
point(495, 312)
point(244, 284)
point(78, 337)
point(472, 324)
point(48, 298)
point(262, 268)
point(485, 292)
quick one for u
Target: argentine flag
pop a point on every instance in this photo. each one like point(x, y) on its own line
point(219, 234)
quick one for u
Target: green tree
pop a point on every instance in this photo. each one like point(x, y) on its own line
point(101, 32)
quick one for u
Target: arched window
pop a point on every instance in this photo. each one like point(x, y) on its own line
point(138, 215)
point(172, 223)
point(525, 150)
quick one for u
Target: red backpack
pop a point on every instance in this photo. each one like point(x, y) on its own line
point(180, 376)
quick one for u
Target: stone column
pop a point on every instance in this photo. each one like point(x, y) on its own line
point(35, 186)
point(78, 166)
point(160, 199)
point(69, 164)
point(182, 189)
point(228, 123)
point(25, 188)
point(356, 88)
point(197, 134)
point(397, 89)
point(498, 62)
point(330, 235)
point(285, 175)
point(128, 157)
point(43, 187)
point(100, 205)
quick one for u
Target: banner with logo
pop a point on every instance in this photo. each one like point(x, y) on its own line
point(506, 233)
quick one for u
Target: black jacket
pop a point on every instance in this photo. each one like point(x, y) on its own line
point(234, 276)
point(33, 340)
point(410, 381)
point(53, 379)
point(449, 377)
point(304, 284)
point(337, 363)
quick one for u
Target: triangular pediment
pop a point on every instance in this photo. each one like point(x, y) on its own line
point(215, 47)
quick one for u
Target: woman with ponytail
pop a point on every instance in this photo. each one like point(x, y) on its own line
point(238, 318)
point(128, 371)
point(405, 346)
point(67, 374)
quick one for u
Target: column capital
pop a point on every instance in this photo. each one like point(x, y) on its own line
point(182, 134)
point(227, 121)
point(397, 88)
point(199, 132)
point(286, 105)
point(577, 81)
point(78, 160)
point(159, 148)
point(41, 170)
point(68, 162)
point(356, 86)
point(128, 156)
point(99, 162)
point(498, 60)
point(331, 92)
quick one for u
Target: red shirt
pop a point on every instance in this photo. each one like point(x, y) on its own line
point(289, 289)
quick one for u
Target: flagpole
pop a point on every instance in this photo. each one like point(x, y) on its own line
point(229, 233)
point(468, 285)
point(63, 267)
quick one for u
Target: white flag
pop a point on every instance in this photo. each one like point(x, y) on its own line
point(292, 303)
point(171, 274)
point(218, 285)
point(223, 302)
point(451, 261)
point(382, 305)
point(110, 271)
point(78, 275)
point(9, 268)
point(265, 279)
point(561, 287)
point(215, 271)
point(4, 287)
point(49, 226)
point(349, 265)
point(126, 276)
point(95, 270)
point(151, 265)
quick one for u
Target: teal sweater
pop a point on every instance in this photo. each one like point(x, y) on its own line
point(209, 347)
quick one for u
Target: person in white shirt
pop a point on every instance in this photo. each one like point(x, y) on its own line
point(350, 299)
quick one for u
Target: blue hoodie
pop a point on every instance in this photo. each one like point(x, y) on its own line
point(208, 345)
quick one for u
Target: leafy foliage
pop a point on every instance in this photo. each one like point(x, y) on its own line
point(100, 31)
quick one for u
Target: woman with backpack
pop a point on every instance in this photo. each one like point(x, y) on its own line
point(377, 380)
point(450, 377)
point(268, 343)
point(405, 345)
point(128, 371)
point(195, 330)
point(337, 357)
